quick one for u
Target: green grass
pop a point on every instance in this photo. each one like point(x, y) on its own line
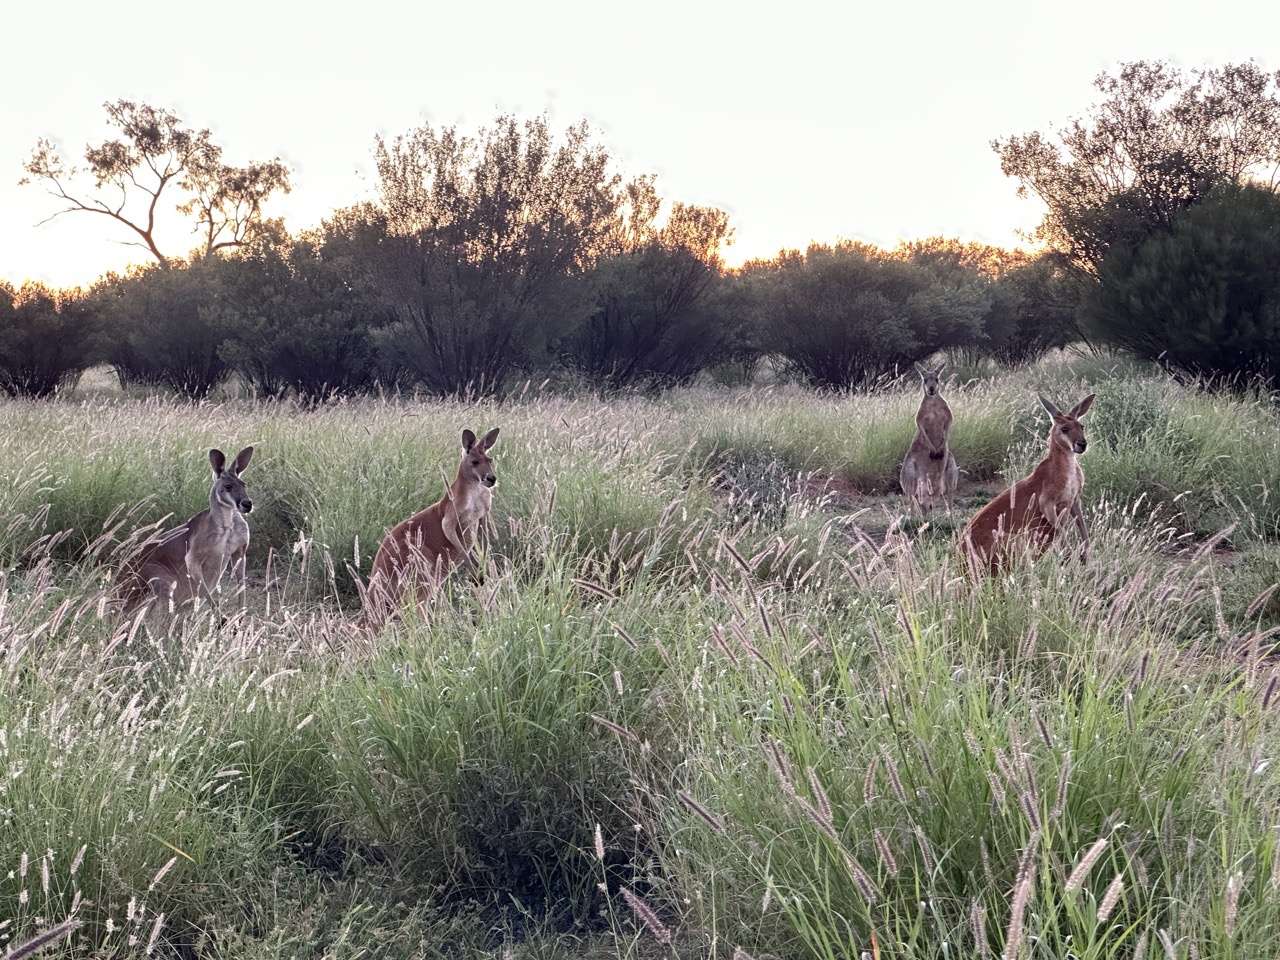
point(694, 707)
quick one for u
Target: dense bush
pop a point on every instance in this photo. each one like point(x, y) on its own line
point(664, 310)
point(47, 338)
point(1033, 311)
point(166, 327)
point(1202, 297)
point(846, 315)
point(296, 324)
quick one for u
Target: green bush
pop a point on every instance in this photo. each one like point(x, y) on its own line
point(1202, 297)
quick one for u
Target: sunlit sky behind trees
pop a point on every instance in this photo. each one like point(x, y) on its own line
point(805, 122)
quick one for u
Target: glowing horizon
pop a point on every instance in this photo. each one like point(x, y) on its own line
point(813, 125)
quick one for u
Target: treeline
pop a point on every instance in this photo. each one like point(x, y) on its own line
point(514, 254)
point(356, 307)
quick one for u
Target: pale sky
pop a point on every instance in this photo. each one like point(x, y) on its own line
point(804, 121)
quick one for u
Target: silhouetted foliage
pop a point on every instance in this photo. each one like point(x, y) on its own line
point(166, 327)
point(1156, 145)
point(1016, 307)
point(489, 241)
point(294, 321)
point(847, 315)
point(1033, 311)
point(47, 338)
point(1203, 297)
point(156, 156)
point(657, 320)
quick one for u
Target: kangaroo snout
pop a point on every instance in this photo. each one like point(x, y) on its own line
point(489, 480)
point(245, 505)
point(1081, 445)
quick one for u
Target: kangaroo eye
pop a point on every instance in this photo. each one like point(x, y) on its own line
point(1066, 429)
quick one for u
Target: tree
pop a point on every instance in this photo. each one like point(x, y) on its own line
point(166, 327)
point(47, 338)
point(490, 240)
point(1157, 144)
point(1204, 297)
point(1033, 311)
point(156, 157)
point(841, 316)
point(657, 321)
point(296, 321)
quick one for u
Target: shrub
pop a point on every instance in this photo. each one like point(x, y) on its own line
point(848, 315)
point(297, 324)
point(47, 339)
point(166, 328)
point(1202, 297)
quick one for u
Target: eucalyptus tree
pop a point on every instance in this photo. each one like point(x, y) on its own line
point(154, 160)
point(1158, 143)
point(490, 242)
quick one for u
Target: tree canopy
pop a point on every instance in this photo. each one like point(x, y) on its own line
point(1202, 297)
point(158, 157)
point(1158, 142)
point(487, 236)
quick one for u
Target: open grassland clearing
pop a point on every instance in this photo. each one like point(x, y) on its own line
point(694, 707)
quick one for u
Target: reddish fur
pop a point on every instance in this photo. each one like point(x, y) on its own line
point(1030, 514)
point(420, 552)
point(929, 472)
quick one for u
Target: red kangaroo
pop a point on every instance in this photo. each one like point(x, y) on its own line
point(186, 563)
point(1035, 509)
point(419, 553)
point(929, 473)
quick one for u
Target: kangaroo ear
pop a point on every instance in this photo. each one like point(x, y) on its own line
point(489, 439)
point(920, 369)
point(1081, 408)
point(942, 366)
point(217, 460)
point(468, 441)
point(242, 461)
point(1053, 411)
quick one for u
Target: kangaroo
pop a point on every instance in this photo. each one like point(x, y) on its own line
point(419, 553)
point(186, 563)
point(1035, 508)
point(929, 472)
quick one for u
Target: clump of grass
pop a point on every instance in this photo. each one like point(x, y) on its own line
point(758, 490)
point(485, 755)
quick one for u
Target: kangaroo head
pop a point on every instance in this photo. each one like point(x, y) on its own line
point(228, 489)
point(932, 384)
point(477, 465)
point(1067, 431)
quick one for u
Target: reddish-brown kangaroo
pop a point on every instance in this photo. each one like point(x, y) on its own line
point(419, 553)
point(929, 473)
point(1031, 513)
point(186, 564)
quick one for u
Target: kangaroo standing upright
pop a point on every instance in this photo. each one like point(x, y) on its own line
point(188, 561)
point(929, 472)
point(1030, 513)
point(419, 553)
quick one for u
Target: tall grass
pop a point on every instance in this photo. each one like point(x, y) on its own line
point(695, 709)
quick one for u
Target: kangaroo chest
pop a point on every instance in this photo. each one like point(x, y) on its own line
point(218, 539)
point(471, 511)
point(1056, 498)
